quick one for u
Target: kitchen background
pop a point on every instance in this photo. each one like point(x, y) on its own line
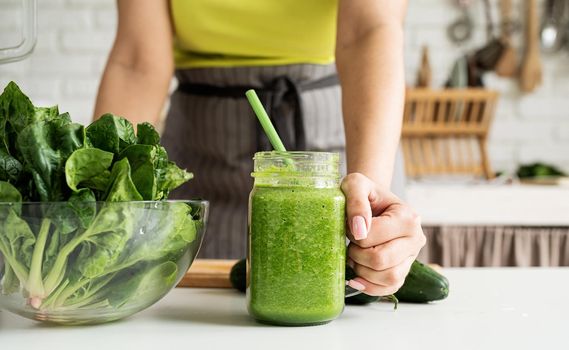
point(75, 36)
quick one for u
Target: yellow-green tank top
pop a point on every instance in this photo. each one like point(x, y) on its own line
point(226, 33)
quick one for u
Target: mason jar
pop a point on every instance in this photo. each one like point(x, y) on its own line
point(296, 241)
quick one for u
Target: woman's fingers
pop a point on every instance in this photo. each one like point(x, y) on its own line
point(398, 220)
point(381, 283)
point(386, 255)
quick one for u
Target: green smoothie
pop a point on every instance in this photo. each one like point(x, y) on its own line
point(296, 254)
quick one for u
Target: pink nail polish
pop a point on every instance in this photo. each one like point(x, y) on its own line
point(356, 285)
point(359, 229)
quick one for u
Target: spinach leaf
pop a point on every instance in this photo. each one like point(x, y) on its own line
point(152, 173)
point(67, 135)
point(16, 243)
point(147, 135)
point(142, 286)
point(86, 164)
point(121, 187)
point(45, 113)
point(9, 193)
point(169, 235)
point(101, 252)
point(10, 282)
point(168, 175)
point(42, 160)
point(77, 212)
point(171, 177)
point(44, 147)
point(98, 183)
point(10, 167)
point(142, 159)
point(84, 206)
point(111, 133)
point(16, 112)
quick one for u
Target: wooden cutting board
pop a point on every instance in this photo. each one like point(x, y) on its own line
point(208, 273)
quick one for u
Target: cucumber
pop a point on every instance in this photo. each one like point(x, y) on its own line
point(238, 275)
point(422, 284)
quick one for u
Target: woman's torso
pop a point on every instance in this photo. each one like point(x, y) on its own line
point(224, 33)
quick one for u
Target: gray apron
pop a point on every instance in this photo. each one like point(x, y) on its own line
point(212, 131)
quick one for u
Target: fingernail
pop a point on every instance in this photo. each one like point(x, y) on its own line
point(356, 285)
point(359, 229)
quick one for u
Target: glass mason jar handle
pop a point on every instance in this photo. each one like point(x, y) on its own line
point(350, 292)
point(29, 35)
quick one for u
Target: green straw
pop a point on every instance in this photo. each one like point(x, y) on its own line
point(265, 121)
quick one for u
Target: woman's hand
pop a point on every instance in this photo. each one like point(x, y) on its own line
point(385, 235)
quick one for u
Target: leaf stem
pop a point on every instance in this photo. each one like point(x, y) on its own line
point(48, 302)
point(392, 298)
point(53, 278)
point(35, 284)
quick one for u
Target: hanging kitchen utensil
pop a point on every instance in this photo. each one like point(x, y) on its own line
point(459, 74)
point(551, 29)
point(507, 65)
point(460, 30)
point(424, 75)
point(531, 73)
point(487, 57)
point(474, 73)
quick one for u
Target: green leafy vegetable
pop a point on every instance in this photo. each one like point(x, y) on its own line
point(10, 167)
point(147, 135)
point(155, 281)
point(85, 249)
point(86, 164)
point(111, 133)
point(537, 170)
point(153, 175)
point(121, 187)
point(9, 193)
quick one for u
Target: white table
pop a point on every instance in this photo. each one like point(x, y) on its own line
point(486, 309)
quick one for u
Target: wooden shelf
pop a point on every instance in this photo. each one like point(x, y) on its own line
point(445, 131)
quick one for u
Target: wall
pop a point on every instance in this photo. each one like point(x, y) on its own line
point(75, 36)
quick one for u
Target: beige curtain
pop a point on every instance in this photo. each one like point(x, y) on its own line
point(467, 246)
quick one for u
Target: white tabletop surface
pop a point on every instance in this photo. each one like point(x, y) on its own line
point(486, 309)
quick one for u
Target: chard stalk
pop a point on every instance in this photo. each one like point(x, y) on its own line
point(35, 285)
point(53, 278)
point(48, 302)
point(66, 298)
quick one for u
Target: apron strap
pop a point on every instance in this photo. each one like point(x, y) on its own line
point(278, 96)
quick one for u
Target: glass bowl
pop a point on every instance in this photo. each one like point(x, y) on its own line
point(94, 262)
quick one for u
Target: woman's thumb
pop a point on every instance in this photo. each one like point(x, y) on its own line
point(357, 189)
